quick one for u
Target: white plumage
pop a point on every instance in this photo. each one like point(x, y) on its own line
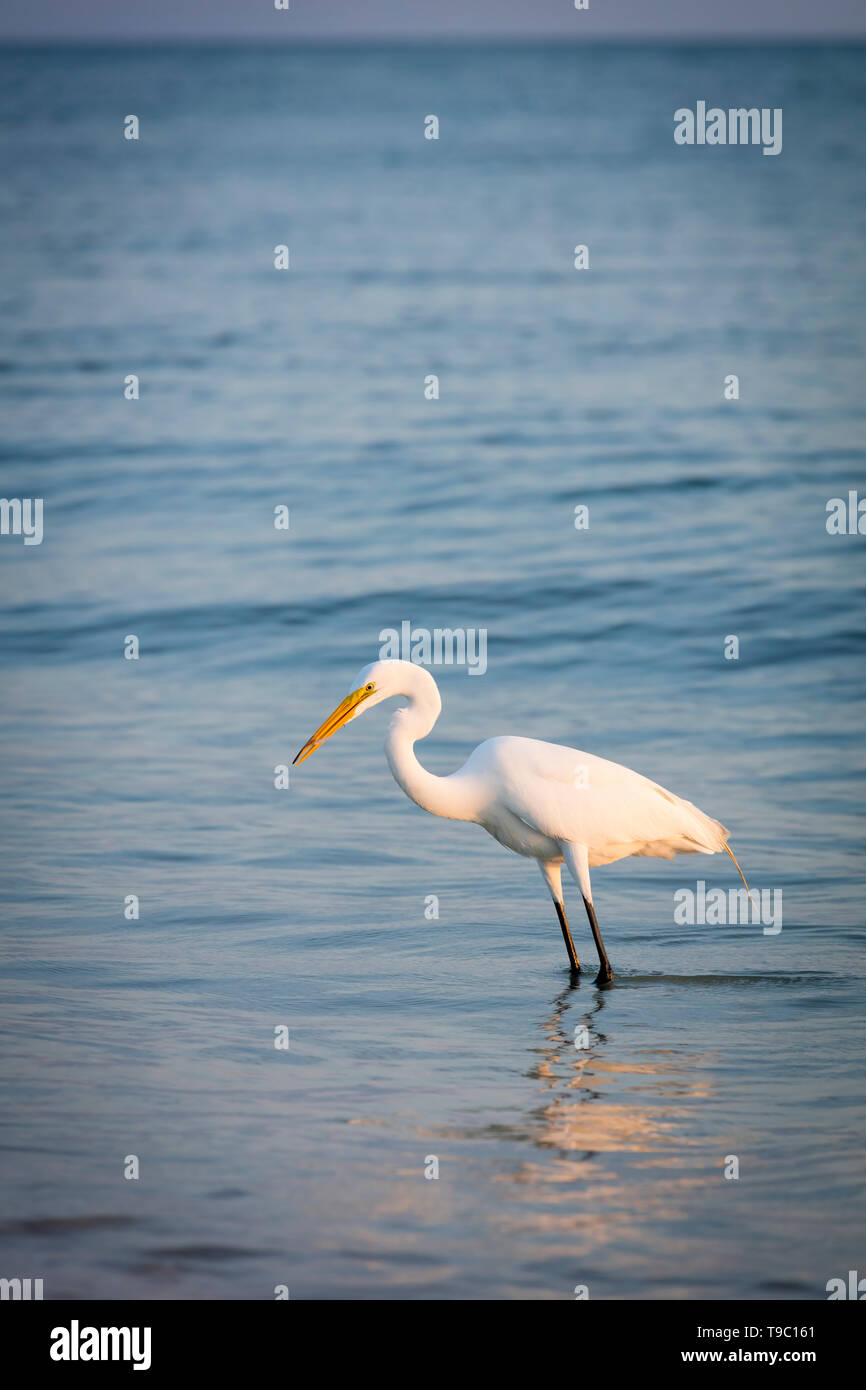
point(567, 795)
point(542, 800)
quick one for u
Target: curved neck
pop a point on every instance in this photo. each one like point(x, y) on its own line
point(442, 796)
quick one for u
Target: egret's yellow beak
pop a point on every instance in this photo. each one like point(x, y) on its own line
point(342, 714)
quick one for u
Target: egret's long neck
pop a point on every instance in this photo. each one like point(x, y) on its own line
point(442, 796)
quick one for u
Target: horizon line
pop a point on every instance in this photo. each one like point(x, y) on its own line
point(419, 40)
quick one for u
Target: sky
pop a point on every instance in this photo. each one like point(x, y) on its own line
point(377, 19)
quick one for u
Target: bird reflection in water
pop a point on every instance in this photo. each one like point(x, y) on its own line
point(594, 1134)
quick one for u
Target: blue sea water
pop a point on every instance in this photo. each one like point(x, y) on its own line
point(305, 908)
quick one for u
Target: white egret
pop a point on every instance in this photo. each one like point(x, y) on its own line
point(541, 800)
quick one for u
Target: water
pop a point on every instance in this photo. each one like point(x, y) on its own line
point(305, 908)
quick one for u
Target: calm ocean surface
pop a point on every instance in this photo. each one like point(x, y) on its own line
point(306, 908)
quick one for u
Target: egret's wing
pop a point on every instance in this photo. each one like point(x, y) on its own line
point(576, 797)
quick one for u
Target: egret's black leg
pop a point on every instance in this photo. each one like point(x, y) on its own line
point(605, 974)
point(566, 936)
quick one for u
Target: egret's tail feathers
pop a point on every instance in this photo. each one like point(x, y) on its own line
point(729, 851)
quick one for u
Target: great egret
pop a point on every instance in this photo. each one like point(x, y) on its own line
point(541, 800)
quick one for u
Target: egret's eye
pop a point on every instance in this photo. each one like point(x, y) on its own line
point(368, 687)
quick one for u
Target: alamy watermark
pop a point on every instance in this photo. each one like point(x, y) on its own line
point(23, 1289)
point(736, 126)
point(854, 1287)
point(846, 517)
point(22, 516)
point(77, 1343)
point(717, 908)
point(443, 646)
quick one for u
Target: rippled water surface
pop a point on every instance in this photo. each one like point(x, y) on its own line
point(558, 1166)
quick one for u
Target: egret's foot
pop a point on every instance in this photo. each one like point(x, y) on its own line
point(604, 976)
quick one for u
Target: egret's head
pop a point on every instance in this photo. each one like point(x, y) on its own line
point(376, 682)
